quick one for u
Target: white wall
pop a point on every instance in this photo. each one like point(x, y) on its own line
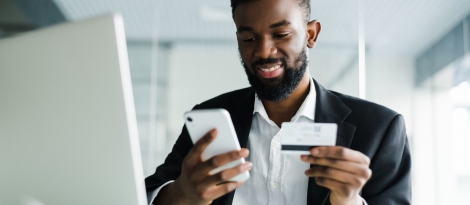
point(389, 82)
point(349, 83)
point(327, 61)
point(197, 73)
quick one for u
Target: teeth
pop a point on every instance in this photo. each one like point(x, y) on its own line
point(270, 69)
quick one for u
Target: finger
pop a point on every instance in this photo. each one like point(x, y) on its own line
point(347, 166)
point(202, 143)
point(336, 174)
point(226, 175)
point(215, 192)
point(336, 186)
point(222, 159)
point(338, 152)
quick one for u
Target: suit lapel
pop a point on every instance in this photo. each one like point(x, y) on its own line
point(242, 115)
point(329, 109)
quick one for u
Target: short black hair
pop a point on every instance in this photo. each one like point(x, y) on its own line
point(304, 5)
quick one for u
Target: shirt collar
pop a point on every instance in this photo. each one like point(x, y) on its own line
point(307, 109)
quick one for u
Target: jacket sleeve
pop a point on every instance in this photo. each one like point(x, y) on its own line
point(171, 168)
point(390, 183)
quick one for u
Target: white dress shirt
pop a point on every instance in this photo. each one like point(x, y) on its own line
point(275, 178)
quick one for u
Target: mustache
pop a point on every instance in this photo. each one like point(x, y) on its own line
point(268, 61)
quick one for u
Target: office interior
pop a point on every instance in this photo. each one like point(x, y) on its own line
point(411, 56)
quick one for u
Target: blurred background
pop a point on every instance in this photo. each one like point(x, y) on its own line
point(411, 56)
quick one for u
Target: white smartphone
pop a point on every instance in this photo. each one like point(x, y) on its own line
point(199, 122)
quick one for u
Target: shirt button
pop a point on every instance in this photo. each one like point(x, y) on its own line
point(277, 144)
point(273, 185)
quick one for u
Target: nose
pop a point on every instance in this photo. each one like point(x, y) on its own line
point(265, 49)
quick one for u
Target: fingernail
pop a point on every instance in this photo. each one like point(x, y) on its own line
point(304, 157)
point(315, 152)
point(247, 165)
point(244, 153)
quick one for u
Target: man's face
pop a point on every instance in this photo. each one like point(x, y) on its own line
point(272, 42)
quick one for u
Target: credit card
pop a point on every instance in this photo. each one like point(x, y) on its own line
point(299, 138)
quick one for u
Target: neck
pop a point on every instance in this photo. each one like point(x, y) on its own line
point(284, 110)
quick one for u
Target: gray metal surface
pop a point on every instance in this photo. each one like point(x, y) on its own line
point(68, 132)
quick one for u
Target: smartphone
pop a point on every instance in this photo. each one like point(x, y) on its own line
point(199, 122)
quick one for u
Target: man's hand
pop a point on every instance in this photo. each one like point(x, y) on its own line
point(195, 185)
point(342, 170)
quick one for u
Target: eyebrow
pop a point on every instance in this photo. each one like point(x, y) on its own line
point(274, 25)
point(279, 24)
point(244, 28)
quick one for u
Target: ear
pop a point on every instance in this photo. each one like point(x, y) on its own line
point(313, 30)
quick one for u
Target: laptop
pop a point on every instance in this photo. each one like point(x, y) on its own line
point(68, 131)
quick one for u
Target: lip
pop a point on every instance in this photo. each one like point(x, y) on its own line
point(270, 70)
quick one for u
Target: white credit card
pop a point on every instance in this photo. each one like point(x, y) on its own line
point(299, 138)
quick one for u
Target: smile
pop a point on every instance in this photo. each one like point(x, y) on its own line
point(270, 69)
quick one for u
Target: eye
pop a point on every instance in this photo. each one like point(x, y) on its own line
point(280, 35)
point(248, 40)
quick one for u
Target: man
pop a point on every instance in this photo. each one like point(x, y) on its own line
point(370, 164)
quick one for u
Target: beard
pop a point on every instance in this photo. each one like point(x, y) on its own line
point(277, 90)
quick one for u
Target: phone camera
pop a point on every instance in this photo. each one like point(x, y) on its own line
point(189, 119)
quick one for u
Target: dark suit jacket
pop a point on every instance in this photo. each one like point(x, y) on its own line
point(374, 130)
